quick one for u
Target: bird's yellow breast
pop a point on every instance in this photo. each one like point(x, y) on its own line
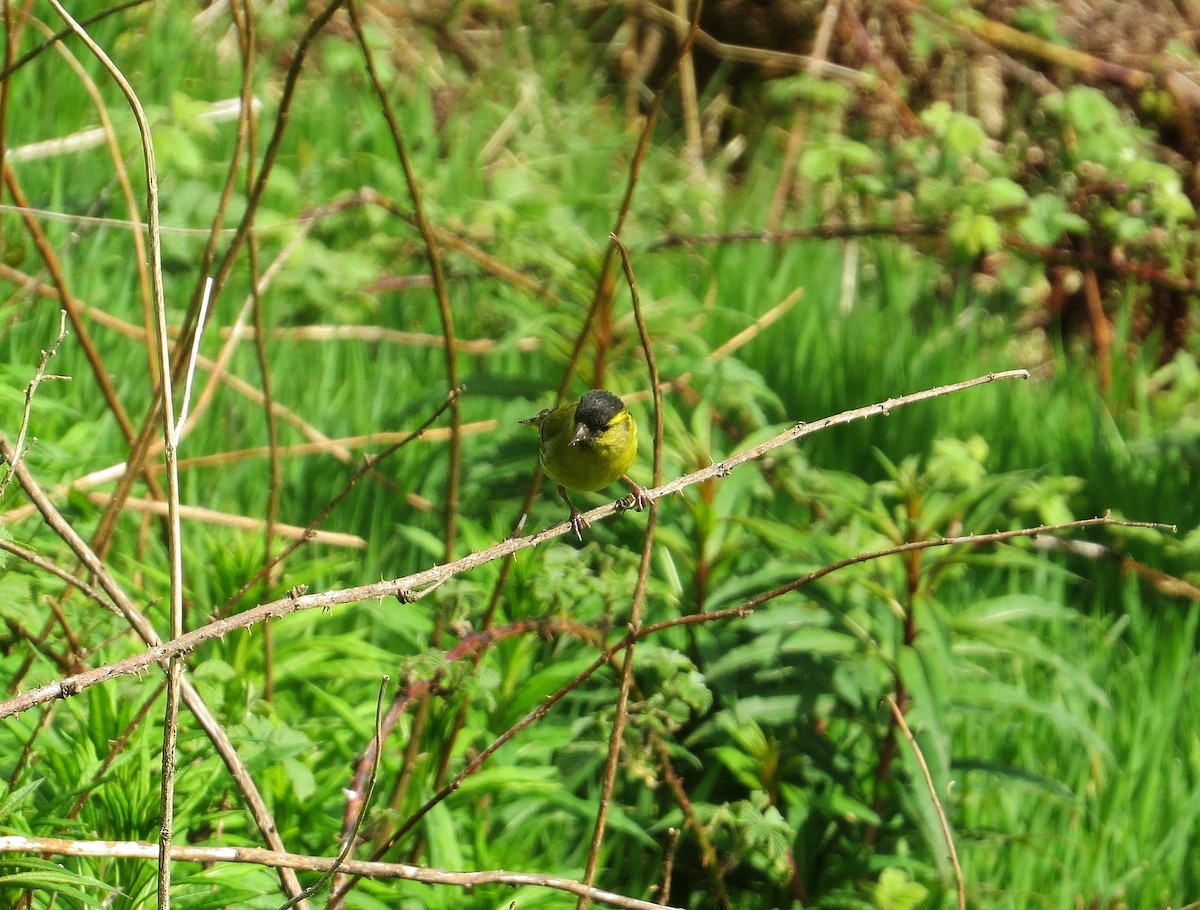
point(593, 462)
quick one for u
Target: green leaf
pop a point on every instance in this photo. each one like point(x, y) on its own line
point(895, 892)
point(972, 233)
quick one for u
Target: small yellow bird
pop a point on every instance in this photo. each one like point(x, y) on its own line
point(586, 445)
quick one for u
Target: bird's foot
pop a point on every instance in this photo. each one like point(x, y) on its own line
point(638, 501)
point(578, 523)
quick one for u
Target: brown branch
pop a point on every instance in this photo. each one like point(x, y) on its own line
point(816, 232)
point(937, 803)
point(620, 714)
point(602, 297)
point(381, 334)
point(1008, 38)
point(335, 448)
point(368, 465)
point(11, 67)
point(141, 445)
point(39, 376)
point(243, 522)
point(439, 282)
point(47, 566)
point(365, 798)
point(763, 57)
point(708, 853)
point(142, 626)
point(47, 846)
point(70, 304)
point(1170, 585)
point(414, 586)
point(474, 647)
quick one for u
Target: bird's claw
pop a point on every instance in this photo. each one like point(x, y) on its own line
point(637, 501)
point(578, 523)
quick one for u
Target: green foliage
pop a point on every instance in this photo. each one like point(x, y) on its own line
point(895, 892)
point(1025, 675)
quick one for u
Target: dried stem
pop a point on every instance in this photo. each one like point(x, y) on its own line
point(39, 376)
point(439, 282)
point(352, 837)
point(602, 297)
point(413, 587)
point(175, 665)
point(620, 715)
point(141, 625)
point(281, 860)
point(937, 803)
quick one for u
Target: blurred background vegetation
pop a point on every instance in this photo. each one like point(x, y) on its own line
point(840, 202)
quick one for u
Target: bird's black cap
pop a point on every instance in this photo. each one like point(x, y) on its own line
point(597, 408)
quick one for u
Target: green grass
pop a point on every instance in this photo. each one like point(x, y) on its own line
point(1103, 812)
point(1051, 696)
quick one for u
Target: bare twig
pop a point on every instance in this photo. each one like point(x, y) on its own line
point(1011, 39)
point(39, 376)
point(708, 852)
point(1102, 330)
point(352, 837)
point(12, 67)
point(242, 522)
point(816, 232)
point(664, 890)
point(1171, 585)
point(95, 136)
point(602, 296)
point(766, 58)
point(694, 148)
point(413, 587)
point(140, 624)
point(473, 646)
point(175, 665)
point(191, 369)
point(218, 369)
point(333, 447)
point(620, 714)
point(47, 566)
point(278, 859)
point(937, 803)
point(377, 334)
point(368, 465)
point(439, 283)
point(795, 139)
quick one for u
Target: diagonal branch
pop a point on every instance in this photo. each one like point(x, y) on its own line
point(191, 697)
point(409, 588)
point(207, 855)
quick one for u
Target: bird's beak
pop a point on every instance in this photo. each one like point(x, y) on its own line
point(536, 420)
point(581, 433)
